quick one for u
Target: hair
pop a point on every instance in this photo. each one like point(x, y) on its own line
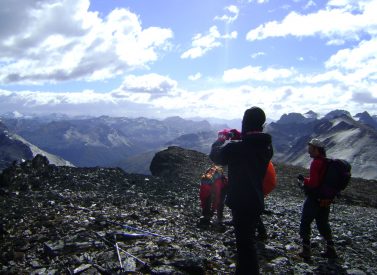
point(253, 120)
point(322, 151)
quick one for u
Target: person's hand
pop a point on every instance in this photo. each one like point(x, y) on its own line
point(235, 134)
point(223, 135)
point(227, 134)
point(300, 181)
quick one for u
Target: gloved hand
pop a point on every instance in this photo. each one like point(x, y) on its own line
point(227, 134)
point(223, 135)
point(235, 134)
point(300, 181)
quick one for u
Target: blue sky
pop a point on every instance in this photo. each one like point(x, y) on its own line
point(208, 58)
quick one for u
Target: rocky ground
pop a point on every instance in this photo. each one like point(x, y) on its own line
point(63, 220)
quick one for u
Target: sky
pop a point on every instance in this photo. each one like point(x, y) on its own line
point(197, 58)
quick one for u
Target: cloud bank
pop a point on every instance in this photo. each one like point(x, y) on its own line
point(39, 50)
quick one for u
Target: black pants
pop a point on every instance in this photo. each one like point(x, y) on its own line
point(244, 227)
point(312, 211)
point(261, 229)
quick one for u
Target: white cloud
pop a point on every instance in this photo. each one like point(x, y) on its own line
point(154, 84)
point(335, 42)
point(233, 10)
point(310, 4)
point(361, 57)
point(256, 73)
point(333, 23)
point(255, 55)
point(151, 95)
point(41, 47)
point(36, 46)
point(195, 76)
point(201, 44)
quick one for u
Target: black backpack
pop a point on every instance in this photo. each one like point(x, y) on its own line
point(336, 178)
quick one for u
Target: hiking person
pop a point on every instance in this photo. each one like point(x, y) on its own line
point(315, 208)
point(247, 161)
point(212, 193)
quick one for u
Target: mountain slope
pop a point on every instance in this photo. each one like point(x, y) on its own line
point(102, 141)
point(365, 118)
point(200, 141)
point(15, 148)
point(53, 159)
point(11, 149)
point(344, 138)
point(130, 143)
point(88, 219)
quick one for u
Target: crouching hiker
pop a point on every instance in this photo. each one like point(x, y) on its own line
point(212, 194)
point(315, 208)
point(247, 161)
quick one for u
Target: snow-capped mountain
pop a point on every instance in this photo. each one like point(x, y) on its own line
point(130, 143)
point(336, 113)
point(365, 118)
point(311, 115)
point(297, 118)
point(344, 138)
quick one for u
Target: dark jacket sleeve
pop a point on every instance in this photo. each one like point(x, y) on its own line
point(217, 155)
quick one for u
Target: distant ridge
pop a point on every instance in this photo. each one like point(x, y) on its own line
point(129, 143)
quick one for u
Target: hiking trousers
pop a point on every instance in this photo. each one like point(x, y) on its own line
point(244, 228)
point(313, 211)
point(210, 204)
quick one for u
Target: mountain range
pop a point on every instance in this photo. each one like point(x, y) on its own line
point(353, 138)
point(130, 143)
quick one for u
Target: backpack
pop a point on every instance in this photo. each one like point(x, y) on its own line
point(211, 175)
point(269, 181)
point(336, 178)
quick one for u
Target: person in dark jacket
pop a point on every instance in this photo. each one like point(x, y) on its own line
point(315, 208)
point(247, 161)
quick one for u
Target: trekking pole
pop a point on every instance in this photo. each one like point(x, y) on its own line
point(119, 258)
point(132, 256)
point(140, 230)
point(120, 249)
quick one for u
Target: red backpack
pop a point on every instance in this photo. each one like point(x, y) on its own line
point(269, 182)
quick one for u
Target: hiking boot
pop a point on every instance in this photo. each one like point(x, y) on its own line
point(218, 221)
point(306, 252)
point(262, 237)
point(330, 252)
point(204, 221)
